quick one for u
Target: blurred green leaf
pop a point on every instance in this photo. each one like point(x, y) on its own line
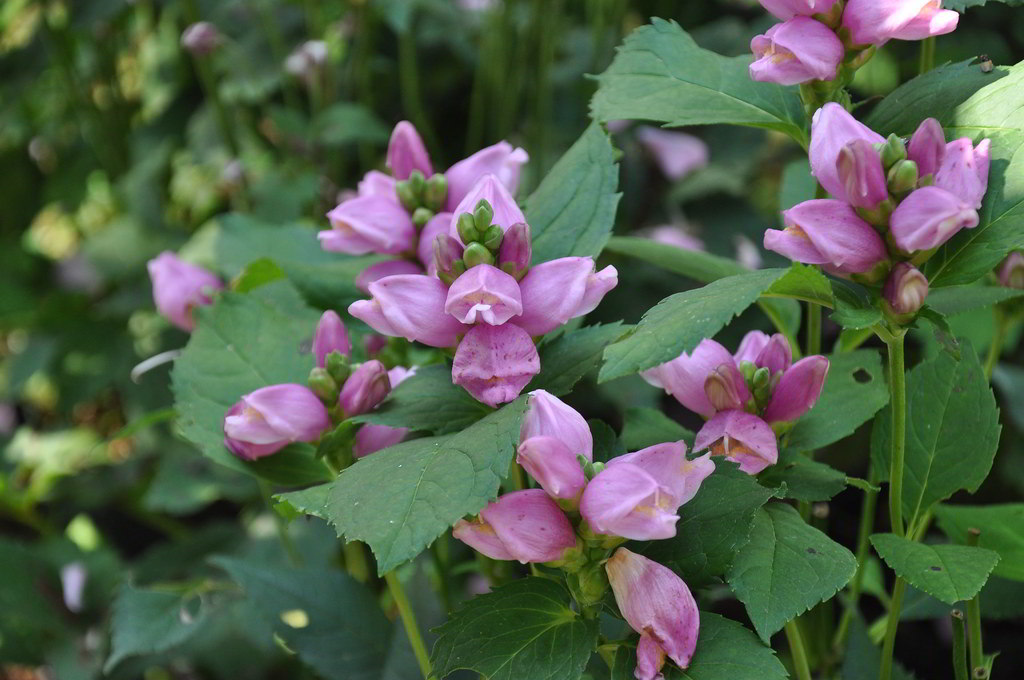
point(643, 427)
point(1001, 527)
point(565, 360)
point(145, 621)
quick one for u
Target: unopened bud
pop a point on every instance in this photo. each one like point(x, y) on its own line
point(477, 253)
point(467, 228)
point(893, 151)
point(902, 177)
point(747, 368)
point(720, 390)
point(879, 215)
point(338, 367)
point(407, 195)
point(492, 237)
point(516, 250)
point(762, 377)
point(421, 215)
point(482, 215)
point(200, 38)
point(435, 193)
point(418, 183)
point(323, 385)
point(1011, 271)
point(905, 289)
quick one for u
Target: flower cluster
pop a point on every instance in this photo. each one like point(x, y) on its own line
point(179, 287)
point(400, 214)
point(485, 298)
point(818, 38)
point(743, 395)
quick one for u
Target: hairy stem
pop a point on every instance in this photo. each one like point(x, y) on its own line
point(412, 628)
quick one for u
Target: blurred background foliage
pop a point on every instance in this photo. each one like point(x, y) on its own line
point(116, 144)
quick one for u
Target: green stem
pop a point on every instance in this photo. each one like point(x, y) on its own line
point(797, 651)
point(439, 553)
point(885, 672)
point(995, 349)
point(281, 525)
point(898, 404)
point(867, 520)
point(959, 646)
point(974, 616)
point(409, 622)
point(813, 328)
point(927, 61)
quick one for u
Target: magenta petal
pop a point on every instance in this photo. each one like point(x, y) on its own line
point(598, 285)
point(751, 346)
point(330, 336)
point(530, 526)
point(406, 152)
point(740, 437)
point(387, 268)
point(501, 160)
point(964, 170)
point(678, 477)
point(832, 128)
point(377, 183)
point(292, 410)
point(796, 51)
point(548, 416)
point(435, 226)
point(484, 294)
point(364, 389)
point(179, 286)
point(677, 153)
point(776, 355)
point(845, 241)
point(793, 243)
point(553, 464)
point(927, 147)
point(481, 537)
point(798, 390)
point(787, 9)
point(929, 217)
point(684, 376)
point(414, 307)
point(874, 22)
point(930, 22)
point(369, 224)
point(373, 438)
point(861, 173)
point(489, 188)
point(369, 312)
point(553, 293)
point(905, 288)
point(625, 500)
point(495, 363)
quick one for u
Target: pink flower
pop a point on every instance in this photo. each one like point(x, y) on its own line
point(796, 51)
point(742, 438)
point(495, 363)
point(201, 38)
point(330, 337)
point(411, 307)
point(369, 224)
point(380, 270)
point(435, 226)
point(377, 183)
point(787, 9)
point(364, 389)
point(484, 294)
point(861, 174)
point(875, 22)
point(657, 604)
point(1011, 271)
point(832, 128)
point(929, 217)
point(964, 170)
point(549, 416)
point(523, 525)
point(637, 495)
point(552, 437)
point(501, 160)
point(685, 376)
point(763, 350)
point(516, 250)
point(798, 390)
point(488, 188)
point(556, 291)
point(927, 147)
point(905, 289)
point(827, 232)
point(267, 420)
point(406, 152)
point(672, 235)
point(178, 287)
point(372, 438)
point(677, 153)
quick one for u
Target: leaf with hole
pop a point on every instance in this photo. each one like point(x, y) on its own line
point(950, 573)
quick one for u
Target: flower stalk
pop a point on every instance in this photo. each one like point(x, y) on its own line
point(410, 624)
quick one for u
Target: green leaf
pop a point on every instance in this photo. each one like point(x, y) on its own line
point(804, 479)
point(961, 5)
point(242, 343)
point(572, 212)
point(952, 431)
point(726, 650)
point(526, 629)
point(606, 443)
point(679, 322)
point(643, 427)
point(328, 618)
point(803, 282)
point(959, 299)
point(661, 74)
point(569, 357)
point(310, 501)
point(971, 103)
point(428, 401)
point(854, 391)
point(713, 526)
point(950, 573)
point(400, 499)
point(147, 621)
point(862, 657)
point(786, 568)
point(1002, 530)
point(854, 307)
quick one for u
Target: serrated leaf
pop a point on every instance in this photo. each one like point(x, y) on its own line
point(242, 343)
point(955, 300)
point(952, 431)
point(854, 391)
point(572, 212)
point(526, 629)
point(566, 359)
point(311, 501)
point(661, 74)
point(950, 573)
point(643, 427)
point(713, 526)
point(802, 478)
point(1002, 530)
point(854, 308)
point(146, 621)
point(401, 498)
point(725, 651)
point(786, 568)
point(328, 618)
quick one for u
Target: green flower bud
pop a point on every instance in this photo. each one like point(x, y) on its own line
point(894, 151)
point(477, 253)
point(492, 237)
point(436, 192)
point(323, 385)
point(747, 368)
point(421, 215)
point(902, 177)
point(338, 367)
point(459, 268)
point(467, 228)
point(762, 377)
point(406, 196)
point(482, 215)
point(418, 183)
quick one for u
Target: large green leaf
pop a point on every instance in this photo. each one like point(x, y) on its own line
point(804, 479)
point(328, 618)
point(959, 299)
point(713, 526)
point(950, 573)
point(526, 629)
point(572, 212)
point(854, 391)
point(1002, 530)
point(146, 621)
point(643, 427)
point(661, 74)
point(971, 103)
point(786, 568)
point(952, 430)
point(725, 651)
point(400, 499)
point(240, 344)
point(566, 359)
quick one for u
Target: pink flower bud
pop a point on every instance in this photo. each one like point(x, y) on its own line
point(787, 9)
point(330, 337)
point(373, 438)
point(201, 38)
point(490, 189)
point(552, 463)
point(523, 525)
point(769, 351)
point(798, 390)
point(905, 289)
point(484, 294)
point(657, 604)
point(929, 217)
point(556, 291)
point(410, 307)
point(1011, 271)
point(832, 128)
point(861, 173)
point(364, 389)
point(178, 287)
point(676, 236)
point(684, 377)
point(270, 418)
point(549, 416)
point(368, 224)
point(964, 170)
point(435, 226)
point(677, 153)
point(501, 160)
point(797, 51)
point(377, 183)
point(307, 60)
point(637, 495)
point(827, 232)
point(380, 270)
point(742, 438)
point(495, 363)
point(406, 152)
point(516, 248)
point(927, 147)
point(874, 22)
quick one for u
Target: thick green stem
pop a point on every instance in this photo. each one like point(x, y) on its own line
point(959, 646)
point(898, 405)
point(927, 60)
point(885, 672)
point(412, 629)
point(797, 651)
point(995, 349)
point(974, 617)
point(867, 520)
